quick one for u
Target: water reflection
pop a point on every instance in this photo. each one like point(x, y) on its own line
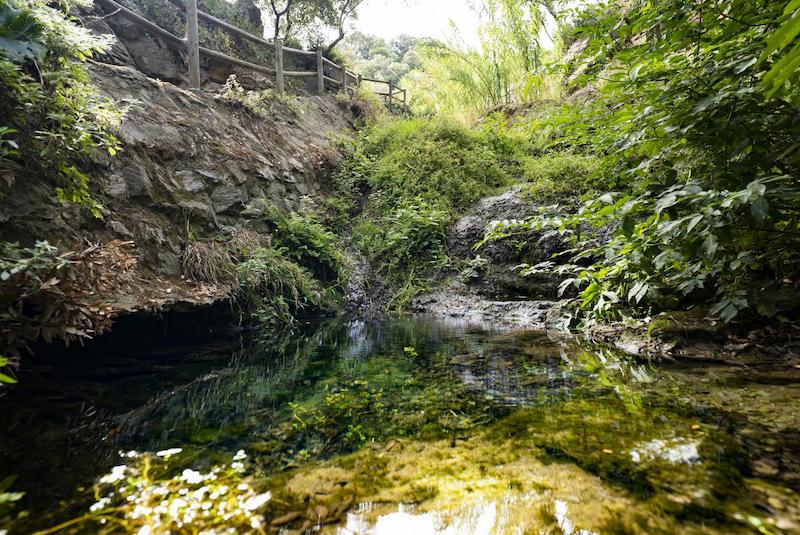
point(443, 427)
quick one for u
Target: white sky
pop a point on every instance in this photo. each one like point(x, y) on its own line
point(429, 18)
point(420, 18)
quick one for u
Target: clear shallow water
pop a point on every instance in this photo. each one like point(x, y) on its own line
point(424, 426)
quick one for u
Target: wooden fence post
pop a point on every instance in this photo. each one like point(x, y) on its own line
point(405, 94)
point(279, 66)
point(320, 73)
point(391, 90)
point(192, 44)
point(344, 80)
point(360, 81)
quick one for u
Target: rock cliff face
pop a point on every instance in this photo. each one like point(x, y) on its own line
point(495, 292)
point(190, 165)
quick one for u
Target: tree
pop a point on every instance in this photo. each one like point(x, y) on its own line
point(337, 14)
point(504, 70)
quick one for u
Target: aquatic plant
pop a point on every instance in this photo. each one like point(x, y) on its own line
point(150, 495)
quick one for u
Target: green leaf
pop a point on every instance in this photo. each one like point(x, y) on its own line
point(710, 245)
point(6, 379)
point(20, 34)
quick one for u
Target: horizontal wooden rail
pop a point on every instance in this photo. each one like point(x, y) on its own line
point(299, 52)
point(236, 61)
point(300, 74)
point(143, 22)
point(193, 48)
point(211, 19)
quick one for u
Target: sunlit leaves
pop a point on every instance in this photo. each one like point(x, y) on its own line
point(786, 67)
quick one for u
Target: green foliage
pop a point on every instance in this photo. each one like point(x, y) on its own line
point(259, 103)
point(411, 236)
point(436, 160)
point(275, 289)
point(5, 365)
point(473, 269)
point(560, 177)
point(375, 57)
point(274, 278)
point(53, 116)
point(506, 69)
point(418, 174)
point(786, 64)
point(305, 241)
point(8, 499)
point(688, 124)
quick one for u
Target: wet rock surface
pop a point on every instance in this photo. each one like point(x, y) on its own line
point(495, 292)
point(456, 300)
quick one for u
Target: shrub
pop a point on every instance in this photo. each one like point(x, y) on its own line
point(438, 160)
point(701, 144)
point(418, 175)
point(412, 236)
point(274, 289)
point(304, 240)
point(560, 177)
point(53, 116)
point(259, 103)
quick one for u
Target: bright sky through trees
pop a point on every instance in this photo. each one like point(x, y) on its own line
point(420, 18)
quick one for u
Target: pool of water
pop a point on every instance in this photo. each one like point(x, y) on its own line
point(406, 425)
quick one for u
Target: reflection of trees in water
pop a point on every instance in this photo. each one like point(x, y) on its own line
point(529, 369)
point(259, 375)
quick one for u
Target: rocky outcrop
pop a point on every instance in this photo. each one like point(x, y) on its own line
point(494, 291)
point(189, 167)
point(499, 279)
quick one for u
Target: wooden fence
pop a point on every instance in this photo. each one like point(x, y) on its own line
point(327, 73)
point(393, 93)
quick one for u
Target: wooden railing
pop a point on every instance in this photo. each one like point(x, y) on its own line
point(334, 75)
point(394, 92)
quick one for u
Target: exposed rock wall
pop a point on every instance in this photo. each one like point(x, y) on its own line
point(190, 165)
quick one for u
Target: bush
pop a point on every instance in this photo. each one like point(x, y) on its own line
point(53, 116)
point(412, 236)
point(560, 177)
point(259, 103)
point(274, 289)
point(436, 160)
point(304, 240)
point(702, 145)
point(418, 175)
point(268, 281)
